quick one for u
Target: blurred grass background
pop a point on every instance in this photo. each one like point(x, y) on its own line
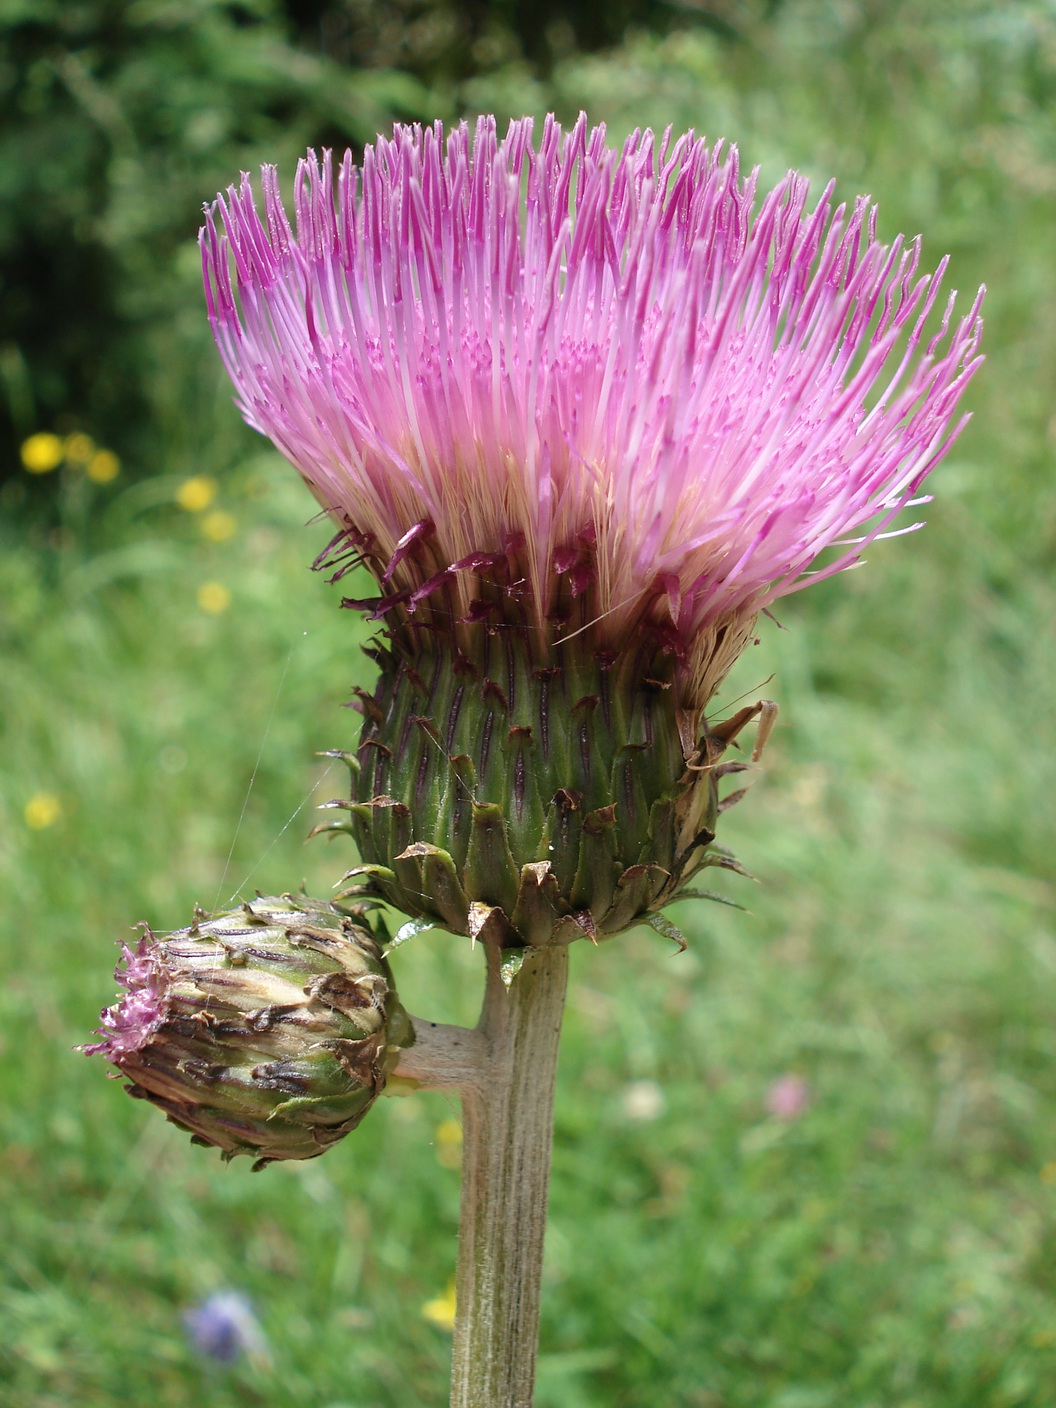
point(887, 1244)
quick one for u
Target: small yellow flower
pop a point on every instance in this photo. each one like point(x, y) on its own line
point(42, 810)
point(1048, 1173)
point(219, 525)
point(441, 1311)
point(214, 598)
point(448, 1137)
point(196, 494)
point(42, 452)
point(79, 448)
point(103, 466)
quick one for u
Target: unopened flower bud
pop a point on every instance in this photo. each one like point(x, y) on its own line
point(266, 1030)
point(568, 802)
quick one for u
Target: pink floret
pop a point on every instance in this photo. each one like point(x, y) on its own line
point(129, 1024)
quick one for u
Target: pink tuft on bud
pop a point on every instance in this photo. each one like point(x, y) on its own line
point(670, 388)
point(128, 1025)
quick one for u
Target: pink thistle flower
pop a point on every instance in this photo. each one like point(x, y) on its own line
point(584, 413)
point(621, 366)
point(788, 1097)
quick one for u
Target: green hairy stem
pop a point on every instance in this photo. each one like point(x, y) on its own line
point(507, 1140)
point(506, 1070)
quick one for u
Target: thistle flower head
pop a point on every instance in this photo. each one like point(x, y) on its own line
point(267, 1030)
point(584, 412)
point(577, 367)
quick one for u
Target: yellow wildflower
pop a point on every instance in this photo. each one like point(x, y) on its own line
point(1048, 1173)
point(42, 810)
point(219, 525)
point(79, 448)
point(197, 493)
point(441, 1311)
point(449, 1143)
point(42, 452)
point(214, 598)
point(103, 466)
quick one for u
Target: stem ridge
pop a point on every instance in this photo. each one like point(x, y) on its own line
point(507, 1142)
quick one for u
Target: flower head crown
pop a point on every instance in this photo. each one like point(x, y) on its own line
point(619, 361)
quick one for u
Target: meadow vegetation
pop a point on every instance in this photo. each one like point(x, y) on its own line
point(171, 670)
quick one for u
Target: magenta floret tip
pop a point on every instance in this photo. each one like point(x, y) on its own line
point(626, 357)
point(127, 1026)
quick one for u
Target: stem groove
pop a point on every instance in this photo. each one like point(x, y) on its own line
point(507, 1141)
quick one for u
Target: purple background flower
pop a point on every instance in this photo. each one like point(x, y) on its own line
point(223, 1327)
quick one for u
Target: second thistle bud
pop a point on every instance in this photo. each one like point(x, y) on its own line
point(267, 1030)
